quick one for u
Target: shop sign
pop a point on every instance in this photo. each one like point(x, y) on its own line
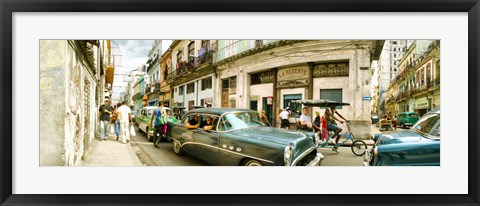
point(293, 73)
point(421, 103)
point(269, 100)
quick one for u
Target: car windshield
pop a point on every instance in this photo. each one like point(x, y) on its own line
point(239, 120)
point(428, 124)
point(412, 115)
point(150, 111)
point(169, 112)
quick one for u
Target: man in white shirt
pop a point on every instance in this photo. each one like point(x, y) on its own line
point(284, 118)
point(124, 115)
point(305, 120)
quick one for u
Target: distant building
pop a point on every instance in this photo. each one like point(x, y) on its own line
point(153, 71)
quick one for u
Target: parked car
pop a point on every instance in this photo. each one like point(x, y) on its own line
point(419, 146)
point(375, 119)
point(143, 119)
point(134, 114)
point(405, 119)
point(239, 137)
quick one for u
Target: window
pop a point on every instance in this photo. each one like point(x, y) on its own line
point(205, 44)
point(191, 49)
point(332, 94)
point(206, 83)
point(230, 84)
point(180, 91)
point(394, 42)
point(190, 88)
point(179, 56)
point(394, 56)
point(225, 84)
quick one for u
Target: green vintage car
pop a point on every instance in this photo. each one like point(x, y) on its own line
point(239, 137)
point(143, 119)
point(405, 119)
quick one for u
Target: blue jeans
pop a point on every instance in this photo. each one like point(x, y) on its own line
point(332, 127)
point(104, 124)
point(117, 128)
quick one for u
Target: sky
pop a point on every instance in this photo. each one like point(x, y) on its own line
point(129, 55)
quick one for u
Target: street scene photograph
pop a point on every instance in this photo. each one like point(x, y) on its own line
point(167, 102)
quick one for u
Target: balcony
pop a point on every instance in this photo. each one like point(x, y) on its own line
point(433, 83)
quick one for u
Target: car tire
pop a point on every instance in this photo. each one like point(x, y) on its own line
point(252, 162)
point(359, 147)
point(177, 147)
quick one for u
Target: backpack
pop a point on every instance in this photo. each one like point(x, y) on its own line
point(158, 117)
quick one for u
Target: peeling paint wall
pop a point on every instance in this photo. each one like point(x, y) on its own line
point(67, 105)
point(52, 102)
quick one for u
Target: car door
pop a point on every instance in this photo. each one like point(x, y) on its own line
point(141, 123)
point(184, 136)
point(207, 145)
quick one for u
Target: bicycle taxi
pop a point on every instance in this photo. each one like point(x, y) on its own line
point(358, 147)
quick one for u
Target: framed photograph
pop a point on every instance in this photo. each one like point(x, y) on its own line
point(120, 102)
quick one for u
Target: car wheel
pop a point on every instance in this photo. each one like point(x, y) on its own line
point(251, 162)
point(403, 126)
point(177, 148)
point(359, 147)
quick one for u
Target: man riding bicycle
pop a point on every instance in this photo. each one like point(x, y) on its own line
point(332, 125)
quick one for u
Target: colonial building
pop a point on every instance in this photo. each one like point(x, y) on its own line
point(75, 79)
point(166, 78)
point(271, 74)
point(153, 70)
point(387, 70)
point(418, 83)
point(192, 79)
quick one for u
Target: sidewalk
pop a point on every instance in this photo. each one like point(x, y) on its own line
point(110, 153)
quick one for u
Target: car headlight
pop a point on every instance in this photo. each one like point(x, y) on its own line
point(288, 155)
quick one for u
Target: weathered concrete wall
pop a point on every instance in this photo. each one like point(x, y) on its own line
point(52, 102)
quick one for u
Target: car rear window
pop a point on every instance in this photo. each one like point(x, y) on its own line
point(413, 115)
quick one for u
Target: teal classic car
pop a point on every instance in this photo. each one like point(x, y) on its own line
point(405, 119)
point(419, 146)
point(142, 119)
point(238, 137)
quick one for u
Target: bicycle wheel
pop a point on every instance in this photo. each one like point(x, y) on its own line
point(359, 147)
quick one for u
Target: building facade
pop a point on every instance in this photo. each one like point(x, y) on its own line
point(270, 75)
point(153, 71)
point(166, 78)
point(191, 81)
point(74, 81)
point(418, 83)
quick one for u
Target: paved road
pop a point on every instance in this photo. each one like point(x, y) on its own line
point(164, 156)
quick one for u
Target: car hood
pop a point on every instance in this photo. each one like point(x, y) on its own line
point(277, 136)
point(408, 136)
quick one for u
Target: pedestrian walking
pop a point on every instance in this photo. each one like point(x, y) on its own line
point(394, 121)
point(285, 123)
point(324, 129)
point(125, 117)
point(116, 120)
point(157, 121)
point(104, 113)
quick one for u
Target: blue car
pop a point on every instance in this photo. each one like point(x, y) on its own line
point(418, 146)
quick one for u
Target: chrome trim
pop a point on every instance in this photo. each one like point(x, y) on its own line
point(288, 147)
point(317, 161)
point(301, 156)
point(240, 154)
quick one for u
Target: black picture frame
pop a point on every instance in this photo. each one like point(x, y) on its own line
point(9, 6)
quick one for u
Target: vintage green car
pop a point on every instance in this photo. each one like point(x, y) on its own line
point(143, 119)
point(239, 137)
point(405, 119)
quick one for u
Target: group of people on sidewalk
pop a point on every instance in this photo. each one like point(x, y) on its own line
point(321, 125)
point(120, 116)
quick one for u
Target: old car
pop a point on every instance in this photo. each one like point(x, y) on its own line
point(406, 119)
point(239, 137)
point(143, 119)
point(419, 146)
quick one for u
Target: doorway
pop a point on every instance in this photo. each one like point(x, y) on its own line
point(268, 110)
point(289, 101)
point(254, 105)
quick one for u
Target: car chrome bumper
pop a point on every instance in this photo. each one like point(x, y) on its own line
point(366, 158)
point(317, 161)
